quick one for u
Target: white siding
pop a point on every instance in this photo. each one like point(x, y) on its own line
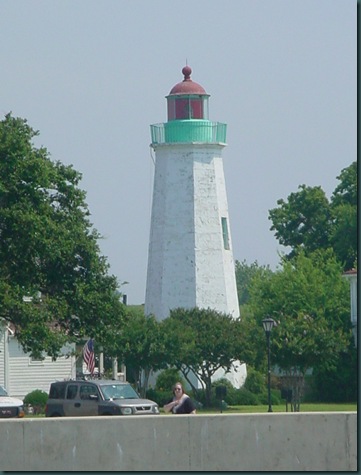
point(27, 375)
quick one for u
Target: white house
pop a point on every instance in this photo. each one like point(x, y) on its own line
point(20, 373)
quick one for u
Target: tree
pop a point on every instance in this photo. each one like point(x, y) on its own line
point(343, 205)
point(54, 284)
point(244, 275)
point(252, 353)
point(201, 341)
point(309, 221)
point(338, 384)
point(304, 220)
point(167, 378)
point(346, 190)
point(139, 345)
point(310, 302)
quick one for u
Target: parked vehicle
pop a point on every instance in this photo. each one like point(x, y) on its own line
point(96, 398)
point(10, 406)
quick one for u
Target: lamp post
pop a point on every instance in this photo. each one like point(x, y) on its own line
point(268, 323)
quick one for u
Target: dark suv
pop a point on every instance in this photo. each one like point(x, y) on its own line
point(96, 398)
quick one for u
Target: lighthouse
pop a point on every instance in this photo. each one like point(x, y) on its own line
point(190, 258)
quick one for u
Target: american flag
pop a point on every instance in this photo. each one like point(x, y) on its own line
point(88, 355)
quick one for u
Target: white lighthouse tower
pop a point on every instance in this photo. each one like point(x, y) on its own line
point(190, 260)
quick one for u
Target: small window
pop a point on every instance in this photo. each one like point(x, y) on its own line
point(36, 361)
point(86, 390)
point(72, 390)
point(57, 391)
point(225, 233)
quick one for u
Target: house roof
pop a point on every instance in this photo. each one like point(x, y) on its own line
point(350, 272)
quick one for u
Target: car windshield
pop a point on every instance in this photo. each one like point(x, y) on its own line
point(3, 391)
point(118, 391)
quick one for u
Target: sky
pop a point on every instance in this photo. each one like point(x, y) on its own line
point(92, 75)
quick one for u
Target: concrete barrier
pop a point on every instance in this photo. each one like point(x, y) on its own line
point(220, 442)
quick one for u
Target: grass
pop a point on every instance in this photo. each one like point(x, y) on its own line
point(304, 407)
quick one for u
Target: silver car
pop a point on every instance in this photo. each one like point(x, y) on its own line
point(96, 398)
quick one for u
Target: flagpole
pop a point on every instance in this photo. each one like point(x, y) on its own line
point(115, 368)
point(101, 360)
point(89, 356)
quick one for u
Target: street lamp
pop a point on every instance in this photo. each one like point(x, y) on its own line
point(268, 323)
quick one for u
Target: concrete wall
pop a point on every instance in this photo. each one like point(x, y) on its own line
point(221, 442)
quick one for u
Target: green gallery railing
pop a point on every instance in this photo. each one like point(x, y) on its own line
point(188, 131)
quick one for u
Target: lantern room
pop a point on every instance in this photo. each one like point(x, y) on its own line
point(187, 99)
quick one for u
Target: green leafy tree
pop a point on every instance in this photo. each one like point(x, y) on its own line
point(54, 284)
point(139, 345)
point(346, 190)
point(309, 300)
point(167, 379)
point(244, 274)
point(201, 341)
point(255, 381)
point(253, 345)
point(304, 220)
point(253, 354)
point(343, 236)
point(308, 220)
point(338, 384)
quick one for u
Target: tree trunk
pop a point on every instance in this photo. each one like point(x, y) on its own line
point(208, 383)
point(294, 380)
point(185, 371)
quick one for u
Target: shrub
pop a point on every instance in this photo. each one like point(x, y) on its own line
point(199, 396)
point(160, 397)
point(230, 392)
point(244, 397)
point(167, 378)
point(275, 397)
point(338, 384)
point(255, 381)
point(37, 399)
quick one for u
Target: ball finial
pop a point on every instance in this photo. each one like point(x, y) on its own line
point(187, 71)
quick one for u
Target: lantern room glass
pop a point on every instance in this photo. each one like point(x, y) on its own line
point(187, 107)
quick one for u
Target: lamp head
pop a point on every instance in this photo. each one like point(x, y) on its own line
point(268, 323)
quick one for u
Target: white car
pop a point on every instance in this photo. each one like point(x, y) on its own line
point(10, 406)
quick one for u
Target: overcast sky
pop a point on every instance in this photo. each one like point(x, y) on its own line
point(92, 75)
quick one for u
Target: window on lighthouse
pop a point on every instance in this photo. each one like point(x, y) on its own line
point(225, 233)
point(185, 108)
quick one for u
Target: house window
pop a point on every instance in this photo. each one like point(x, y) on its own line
point(225, 233)
point(36, 361)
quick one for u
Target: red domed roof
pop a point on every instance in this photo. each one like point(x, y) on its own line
point(187, 86)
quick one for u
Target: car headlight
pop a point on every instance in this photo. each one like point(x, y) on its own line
point(126, 411)
point(156, 409)
point(21, 412)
